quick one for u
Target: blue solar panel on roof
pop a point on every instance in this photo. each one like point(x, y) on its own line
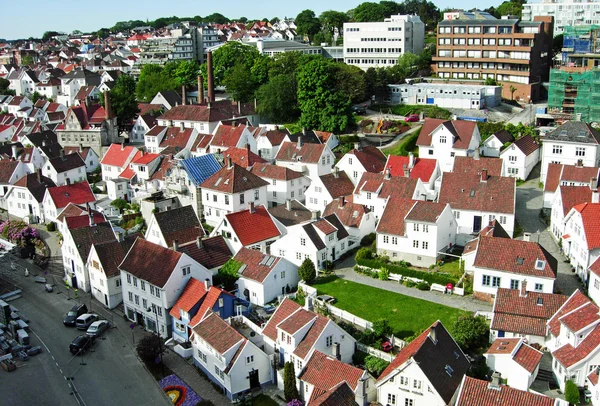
point(201, 168)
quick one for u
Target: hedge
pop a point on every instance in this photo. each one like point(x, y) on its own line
point(426, 276)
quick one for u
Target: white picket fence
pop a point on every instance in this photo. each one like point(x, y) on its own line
point(375, 352)
point(308, 290)
point(349, 317)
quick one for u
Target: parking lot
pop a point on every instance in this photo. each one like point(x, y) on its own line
point(108, 373)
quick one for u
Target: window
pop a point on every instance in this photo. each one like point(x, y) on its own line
point(328, 341)
point(496, 281)
point(557, 149)
point(250, 359)
point(394, 241)
point(143, 285)
point(597, 284)
point(416, 384)
point(512, 158)
point(151, 289)
point(135, 282)
point(219, 372)
point(416, 227)
point(118, 283)
point(129, 279)
point(130, 297)
point(579, 151)
point(442, 139)
point(485, 280)
point(425, 245)
point(408, 402)
point(242, 198)
point(391, 399)
point(539, 287)
point(368, 195)
point(214, 198)
point(403, 381)
point(282, 275)
point(298, 255)
point(514, 284)
point(202, 356)
point(415, 244)
point(256, 194)
point(502, 219)
point(185, 270)
point(299, 364)
point(226, 199)
point(157, 292)
point(425, 228)
point(386, 239)
point(302, 241)
point(137, 300)
point(457, 215)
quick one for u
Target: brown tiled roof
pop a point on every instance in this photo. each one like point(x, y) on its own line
point(337, 184)
point(427, 212)
point(558, 173)
point(528, 357)
point(258, 265)
point(146, 108)
point(581, 318)
point(503, 346)
point(475, 392)
point(297, 215)
point(308, 153)
point(176, 138)
point(7, 169)
point(285, 309)
point(568, 355)
point(179, 224)
point(84, 237)
point(527, 145)
point(514, 256)
point(276, 137)
point(469, 192)
point(371, 158)
point(571, 196)
point(208, 304)
point(392, 220)
point(243, 157)
point(253, 227)
point(552, 177)
point(163, 260)
point(396, 186)
point(202, 141)
point(593, 377)
point(325, 372)
point(270, 171)
point(213, 253)
point(503, 136)
point(233, 179)
point(339, 395)
point(227, 136)
point(429, 125)
point(111, 254)
point(470, 165)
point(575, 301)
point(350, 214)
point(218, 333)
point(218, 111)
point(312, 335)
point(461, 130)
point(298, 320)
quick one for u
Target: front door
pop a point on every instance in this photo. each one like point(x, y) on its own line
point(476, 224)
point(253, 376)
point(139, 317)
point(333, 254)
point(105, 299)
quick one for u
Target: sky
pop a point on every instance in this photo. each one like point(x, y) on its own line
point(24, 19)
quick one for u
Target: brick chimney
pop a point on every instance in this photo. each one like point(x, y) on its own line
point(341, 201)
point(387, 174)
point(199, 242)
point(183, 96)
point(411, 160)
point(406, 171)
point(314, 216)
point(181, 127)
point(251, 207)
point(484, 175)
point(211, 80)
point(39, 175)
point(229, 162)
point(200, 89)
point(523, 290)
point(107, 107)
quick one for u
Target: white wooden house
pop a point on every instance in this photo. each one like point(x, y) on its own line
point(520, 157)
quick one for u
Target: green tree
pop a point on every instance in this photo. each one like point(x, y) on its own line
point(230, 55)
point(323, 106)
point(149, 348)
point(229, 273)
point(278, 99)
point(152, 80)
point(274, 20)
point(290, 390)
point(183, 72)
point(286, 63)
point(375, 365)
point(216, 18)
point(122, 100)
point(307, 24)
point(49, 34)
point(426, 10)
point(331, 19)
point(27, 60)
point(120, 204)
point(557, 44)
point(4, 84)
point(512, 92)
point(377, 80)
point(382, 328)
point(572, 393)
point(490, 82)
point(408, 65)
point(351, 81)
point(35, 97)
point(102, 33)
point(307, 271)
point(510, 8)
point(471, 332)
point(369, 11)
point(240, 83)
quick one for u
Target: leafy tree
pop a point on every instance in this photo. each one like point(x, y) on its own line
point(323, 37)
point(217, 18)
point(512, 92)
point(286, 63)
point(351, 81)
point(557, 44)
point(290, 390)
point(571, 393)
point(278, 99)
point(369, 11)
point(153, 80)
point(510, 8)
point(377, 80)
point(120, 204)
point(27, 60)
point(122, 100)
point(230, 55)
point(150, 348)
point(490, 82)
point(426, 10)
point(76, 32)
point(102, 33)
point(470, 332)
point(375, 365)
point(4, 84)
point(183, 72)
point(307, 271)
point(274, 20)
point(229, 273)
point(330, 20)
point(382, 328)
point(308, 24)
point(49, 34)
point(240, 83)
point(323, 106)
point(35, 97)
point(408, 65)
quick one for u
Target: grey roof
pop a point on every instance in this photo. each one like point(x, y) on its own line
point(284, 45)
point(505, 23)
point(314, 237)
point(341, 230)
point(575, 131)
point(181, 225)
point(84, 237)
point(172, 97)
point(504, 136)
point(37, 139)
point(297, 215)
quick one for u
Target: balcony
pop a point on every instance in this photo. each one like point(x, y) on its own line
point(177, 187)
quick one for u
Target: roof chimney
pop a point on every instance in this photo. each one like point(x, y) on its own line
point(495, 383)
point(411, 160)
point(207, 284)
point(200, 89)
point(299, 143)
point(175, 245)
point(248, 148)
point(523, 292)
point(595, 196)
point(406, 171)
point(388, 174)
point(229, 162)
point(251, 207)
point(183, 96)
point(181, 127)
point(62, 153)
point(80, 147)
point(357, 146)
point(211, 84)
point(336, 172)
point(433, 333)
point(239, 104)
point(199, 242)
point(484, 175)
point(90, 215)
point(288, 204)
point(39, 175)
point(314, 216)
point(336, 351)
point(594, 184)
point(476, 154)
point(14, 151)
point(342, 201)
point(107, 107)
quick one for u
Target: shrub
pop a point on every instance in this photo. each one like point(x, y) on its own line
point(571, 392)
point(119, 204)
point(375, 365)
point(423, 286)
point(290, 391)
point(229, 273)
point(384, 274)
point(382, 328)
point(51, 226)
point(149, 348)
point(471, 332)
point(307, 271)
point(410, 284)
point(349, 139)
point(363, 253)
point(404, 271)
point(368, 239)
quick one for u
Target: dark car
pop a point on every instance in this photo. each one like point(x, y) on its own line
point(75, 312)
point(359, 109)
point(80, 344)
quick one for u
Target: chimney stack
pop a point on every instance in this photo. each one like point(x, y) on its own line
point(523, 292)
point(248, 148)
point(229, 162)
point(80, 147)
point(336, 172)
point(90, 215)
point(594, 184)
point(288, 204)
point(336, 351)
point(314, 216)
point(595, 196)
point(39, 175)
point(175, 245)
point(107, 107)
point(251, 207)
point(484, 175)
point(411, 160)
point(433, 333)
point(181, 127)
point(239, 104)
point(200, 89)
point(62, 153)
point(406, 171)
point(299, 143)
point(388, 174)
point(207, 284)
point(361, 391)
point(211, 80)
point(183, 96)
point(495, 383)
point(342, 201)
point(357, 146)
point(15, 152)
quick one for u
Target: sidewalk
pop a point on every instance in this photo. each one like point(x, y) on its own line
point(460, 302)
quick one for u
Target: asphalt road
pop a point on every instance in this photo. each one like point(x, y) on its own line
point(109, 373)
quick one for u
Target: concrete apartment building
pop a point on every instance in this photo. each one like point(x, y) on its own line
point(374, 44)
point(477, 46)
point(565, 12)
point(449, 95)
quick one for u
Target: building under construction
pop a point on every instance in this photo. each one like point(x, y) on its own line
point(581, 46)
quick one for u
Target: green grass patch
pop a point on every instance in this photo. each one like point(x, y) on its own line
point(263, 400)
point(404, 146)
point(452, 267)
point(431, 111)
point(407, 315)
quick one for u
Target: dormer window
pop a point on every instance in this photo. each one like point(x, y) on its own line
point(449, 370)
point(540, 265)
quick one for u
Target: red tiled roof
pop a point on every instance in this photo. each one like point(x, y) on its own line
point(503, 346)
point(593, 377)
point(324, 226)
point(142, 158)
point(552, 177)
point(470, 165)
point(371, 158)
point(595, 267)
point(349, 213)
point(527, 145)
point(568, 356)
point(311, 337)
point(571, 196)
point(118, 155)
point(209, 302)
point(218, 333)
point(423, 168)
point(147, 108)
point(218, 111)
point(233, 179)
point(202, 141)
point(590, 213)
point(7, 169)
point(276, 137)
point(575, 301)
point(257, 268)
point(76, 193)
point(253, 227)
point(427, 212)
point(82, 151)
point(392, 220)
point(396, 186)
point(270, 171)
point(176, 138)
point(193, 292)
point(475, 392)
point(213, 252)
point(581, 318)
point(227, 136)
point(469, 192)
point(558, 173)
point(79, 221)
point(164, 261)
point(285, 309)
point(308, 153)
point(127, 174)
point(243, 157)
point(337, 184)
point(528, 357)
point(461, 130)
point(325, 372)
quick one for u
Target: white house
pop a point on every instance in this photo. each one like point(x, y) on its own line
point(283, 183)
point(415, 231)
point(230, 360)
point(568, 175)
point(116, 159)
point(25, 197)
point(89, 156)
point(180, 139)
point(269, 141)
point(573, 143)
point(264, 277)
point(477, 199)
point(581, 241)
point(103, 267)
point(574, 340)
point(444, 139)
point(229, 190)
point(143, 123)
point(58, 197)
point(505, 263)
point(11, 171)
point(252, 228)
point(356, 218)
point(313, 160)
point(150, 291)
point(327, 188)
point(233, 136)
point(427, 371)
point(321, 240)
point(168, 99)
point(495, 143)
point(567, 197)
point(65, 169)
point(592, 385)
point(17, 103)
point(360, 160)
point(175, 226)
point(514, 359)
point(520, 157)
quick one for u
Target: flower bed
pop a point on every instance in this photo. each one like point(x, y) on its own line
point(27, 238)
point(407, 272)
point(178, 391)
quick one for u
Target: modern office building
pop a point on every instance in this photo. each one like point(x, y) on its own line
point(477, 46)
point(565, 12)
point(374, 44)
point(449, 95)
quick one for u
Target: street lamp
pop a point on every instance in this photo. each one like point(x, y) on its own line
point(150, 310)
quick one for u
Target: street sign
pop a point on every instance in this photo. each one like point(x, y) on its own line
point(132, 326)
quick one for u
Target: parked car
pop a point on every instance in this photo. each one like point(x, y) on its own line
point(97, 328)
point(413, 118)
point(387, 346)
point(75, 312)
point(81, 344)
point(269, 308)
point(322, 299)
point(359, 109)
point(34, 350)
point(84, 321)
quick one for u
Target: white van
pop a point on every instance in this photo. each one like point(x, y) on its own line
point(84, 321)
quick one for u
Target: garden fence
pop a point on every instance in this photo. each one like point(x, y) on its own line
point(375, 352)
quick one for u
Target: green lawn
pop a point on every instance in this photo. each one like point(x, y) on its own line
point(404, 146)
point(263, 400)
point(406, 314)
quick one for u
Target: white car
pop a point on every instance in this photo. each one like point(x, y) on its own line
point(97, 328)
